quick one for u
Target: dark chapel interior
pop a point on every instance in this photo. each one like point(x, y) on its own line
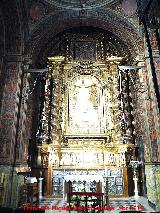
point(79, 103)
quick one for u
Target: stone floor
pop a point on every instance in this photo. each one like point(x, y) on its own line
point(116, 205)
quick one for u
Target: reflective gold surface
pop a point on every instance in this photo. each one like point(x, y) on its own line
point(85, 126)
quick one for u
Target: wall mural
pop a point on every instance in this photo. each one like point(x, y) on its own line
point(8, 110)
point(151, 185)
point(151, 124)
point(152, 115)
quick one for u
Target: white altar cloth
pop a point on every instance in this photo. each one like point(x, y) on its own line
point(87, 178)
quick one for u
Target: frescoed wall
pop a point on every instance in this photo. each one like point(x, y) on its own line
point(152, 120)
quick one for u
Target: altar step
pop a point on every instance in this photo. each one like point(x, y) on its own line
point(53, 204)
point(116, 205)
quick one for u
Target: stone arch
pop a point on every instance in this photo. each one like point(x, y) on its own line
point(2, 52)
point(102, 18)
point(13, 35)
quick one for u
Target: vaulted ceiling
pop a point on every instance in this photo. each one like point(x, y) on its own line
point(48, 18)
point(37, 23)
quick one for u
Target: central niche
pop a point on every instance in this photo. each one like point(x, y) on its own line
point(85, 106)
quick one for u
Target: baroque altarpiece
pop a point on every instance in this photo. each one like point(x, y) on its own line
point(86, 132)
point(86, 128)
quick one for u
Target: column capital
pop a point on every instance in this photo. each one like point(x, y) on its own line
point(123, 68)
point(114, 59)
point(56, 59)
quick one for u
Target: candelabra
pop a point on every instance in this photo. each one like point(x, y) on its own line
point(135, 166)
